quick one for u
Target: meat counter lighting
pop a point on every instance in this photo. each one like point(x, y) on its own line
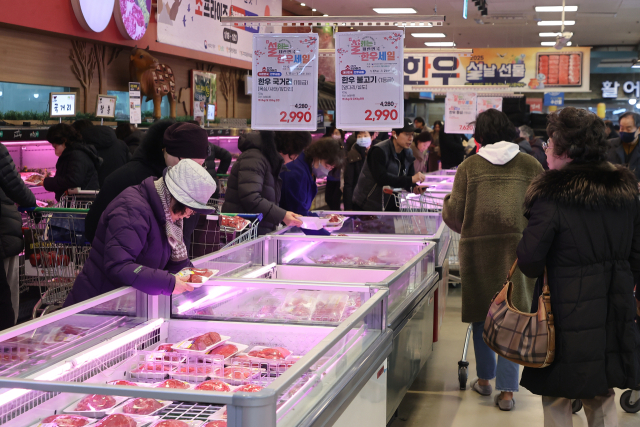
point(61, 370)
point(295, 254)
point(214, 292)
point(259, 272)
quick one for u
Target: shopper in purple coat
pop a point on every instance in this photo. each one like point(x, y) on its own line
point(139, 240)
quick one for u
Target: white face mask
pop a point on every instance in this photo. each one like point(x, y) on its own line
point(364, 141)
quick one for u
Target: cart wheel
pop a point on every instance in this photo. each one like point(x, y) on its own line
point(576, 406)
point(625, 402)
point(462, 377)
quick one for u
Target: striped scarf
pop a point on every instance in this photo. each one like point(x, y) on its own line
point(173, 230)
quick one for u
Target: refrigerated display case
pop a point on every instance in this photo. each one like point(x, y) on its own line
point(311, 373)
point(405, 267)
point(29, 156)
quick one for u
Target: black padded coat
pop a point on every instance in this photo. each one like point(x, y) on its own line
point(76, 167)
point(113, 152)
point(12, 190)
point(584, 226)
point(253, 187)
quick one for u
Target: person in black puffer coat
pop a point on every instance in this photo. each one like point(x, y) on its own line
point(356, 156)
point(130, 135)
point(114, 153)
point(254, 184)
point(163, 145)
point(77, 164)
point(584, 227)
point(12, 191)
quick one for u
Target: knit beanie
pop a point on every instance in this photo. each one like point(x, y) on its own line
point(186, 141)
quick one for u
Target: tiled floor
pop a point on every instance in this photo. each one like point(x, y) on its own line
point(435, 398)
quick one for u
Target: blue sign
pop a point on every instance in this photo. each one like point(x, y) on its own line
point(427, 95)
point(554, 98)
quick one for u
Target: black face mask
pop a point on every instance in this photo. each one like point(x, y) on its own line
point(627, 137)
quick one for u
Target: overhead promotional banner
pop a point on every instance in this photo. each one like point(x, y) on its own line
point(195, 24)
point(487, 102)
point(460, 112)
point(524, 69)
point(369, 90)
point(285, 82)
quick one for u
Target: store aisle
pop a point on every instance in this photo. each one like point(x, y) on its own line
point(435, 398)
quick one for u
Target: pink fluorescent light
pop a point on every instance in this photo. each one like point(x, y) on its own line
point(295, 254)
point(214, 292)
point(259, 272)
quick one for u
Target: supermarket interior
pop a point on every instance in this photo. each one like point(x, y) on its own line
point(180, 251)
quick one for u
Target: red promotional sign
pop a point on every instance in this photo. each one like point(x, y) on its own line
point(535, 104)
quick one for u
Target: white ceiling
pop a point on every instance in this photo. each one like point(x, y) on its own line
point(510, 23)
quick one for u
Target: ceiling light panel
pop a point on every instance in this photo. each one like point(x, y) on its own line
point(556, 8)
point(549, 23)
point(440, 44)
point(552, 43)
point(394, 10)
point(428, 35)
point(549, 34)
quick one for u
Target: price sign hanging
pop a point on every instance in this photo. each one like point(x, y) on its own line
point(369, 80)
point(285, 82)
point(487, 102)
point(460, 112)
point(135, 103)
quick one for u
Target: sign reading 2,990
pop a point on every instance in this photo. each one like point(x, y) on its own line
point(285, 82)
point(369, 80)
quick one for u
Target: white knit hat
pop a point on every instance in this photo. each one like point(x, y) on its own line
point(190, 184)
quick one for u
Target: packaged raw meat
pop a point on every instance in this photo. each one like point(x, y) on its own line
point(176, 423)
point(165, 347)
point(266, 306)
point(330, 306)
point(213, 385)
point(235, 222)
point(154, 367)
point(195, 369)
point(172, 383)
point(64, 333)
point(216, 423)
point(249, 388)
point(269, 353)
point(196, 276)
point(201, 343)
point(298, 305)
point(227, 350)
point(353, 303)
point(142, 406)
point(236, 372)
point(123, 382)
point(95, 402)
point(116, 420)
point(34, 179)
point(66, 420)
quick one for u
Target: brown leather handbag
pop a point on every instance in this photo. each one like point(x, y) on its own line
point(528, 339)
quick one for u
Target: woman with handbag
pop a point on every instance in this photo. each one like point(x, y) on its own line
point(485, 207)
point(584, 227)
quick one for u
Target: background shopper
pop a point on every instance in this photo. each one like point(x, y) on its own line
point(333, 189)
point(356, 156)
point(624, 149)
point(434, 148)
point(584, 227)
point(485, 207)
point(113, 152)
point(419, 148)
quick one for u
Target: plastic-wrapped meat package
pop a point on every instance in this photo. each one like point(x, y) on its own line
point(225, 350)
point(95, 402)
point(213, 385)
point(249, 388)
point(543, 65)
point(154, 367)
point(270, 353)
point(575, 69)
point(563, 70)
point(117, 420)
point(216, 423)
point(66, 420)
point(123, 382)
point(353, 303)
point(298, 305)
point(236, 373)
point(201, 342)
point(330, 306)
point(268, 304)
point(141, 406)
point(174, 384)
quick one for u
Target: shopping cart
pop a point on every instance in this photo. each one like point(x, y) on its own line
point(410, 202)
point(223, 179)
point(215, 232)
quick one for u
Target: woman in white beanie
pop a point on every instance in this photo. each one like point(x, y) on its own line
point(139, 240)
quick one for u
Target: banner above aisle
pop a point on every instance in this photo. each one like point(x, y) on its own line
point(195, 24)
point(523, 69)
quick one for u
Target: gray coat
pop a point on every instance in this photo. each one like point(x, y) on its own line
point(253, 187)
point(12, 190)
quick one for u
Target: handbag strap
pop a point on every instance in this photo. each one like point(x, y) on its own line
point(512, 270)
point(546, 293)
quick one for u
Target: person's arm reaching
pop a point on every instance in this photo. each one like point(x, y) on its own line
point(377, 164)
point(250, 184)
point(225, 160)
point(72, 178)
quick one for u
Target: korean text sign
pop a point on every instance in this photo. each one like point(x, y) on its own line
point(106, 106)
point(135, 103)
point(63, 104)
point(487, 102)
point(369, 89)
point(460, 112)
point(285, 82)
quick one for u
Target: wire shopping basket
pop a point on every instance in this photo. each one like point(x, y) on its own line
point(410, 202)
point(218, 231)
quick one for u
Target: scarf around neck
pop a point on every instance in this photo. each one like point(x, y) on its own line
point(174, 231)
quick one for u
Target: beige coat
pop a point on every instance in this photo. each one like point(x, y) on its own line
point(485, 207)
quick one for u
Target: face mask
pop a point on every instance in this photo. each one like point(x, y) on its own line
point(364, 141)
point(336, 136)
point(321, 171)
point(627, 137)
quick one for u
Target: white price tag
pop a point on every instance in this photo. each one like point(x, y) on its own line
point(460, 112)
point(106, 106)
point(369, 80)
point(285, 82)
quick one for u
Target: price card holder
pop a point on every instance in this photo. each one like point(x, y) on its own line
point(106, 107)
point(62, 104)
point(285, 82)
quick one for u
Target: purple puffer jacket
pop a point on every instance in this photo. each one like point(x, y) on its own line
point(130, 248)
